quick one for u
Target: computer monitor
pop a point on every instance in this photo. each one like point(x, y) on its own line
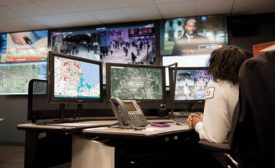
point(144, 83)
point(190, 84)
point(74, 79)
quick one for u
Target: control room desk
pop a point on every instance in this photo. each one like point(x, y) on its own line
point(152, 147)
point(49, 145)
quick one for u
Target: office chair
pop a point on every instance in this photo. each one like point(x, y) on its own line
point(253, 139)
point(38, 106)
point(37, 95)
point(222, 152)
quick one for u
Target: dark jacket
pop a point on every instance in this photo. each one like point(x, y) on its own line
point(183, 46)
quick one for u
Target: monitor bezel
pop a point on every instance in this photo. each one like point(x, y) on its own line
point(142, 101)
point(52, 98)
point(171, 81)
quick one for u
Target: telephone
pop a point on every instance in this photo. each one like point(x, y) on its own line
point(128, 113)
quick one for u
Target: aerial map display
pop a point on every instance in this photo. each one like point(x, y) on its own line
point(14, 78)
point(76, 79)
point(136, 83)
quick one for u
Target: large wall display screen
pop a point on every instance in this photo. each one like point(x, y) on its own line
point(193, 35)
point(133, 44)
point(23, 57)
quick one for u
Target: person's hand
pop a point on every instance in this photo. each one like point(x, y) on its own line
point(18, 38)
point(193, 119)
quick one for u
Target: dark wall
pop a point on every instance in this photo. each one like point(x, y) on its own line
point(244, 31)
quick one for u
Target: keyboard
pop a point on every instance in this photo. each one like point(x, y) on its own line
point(180, 117)
point(179, 120)
point(59, 121)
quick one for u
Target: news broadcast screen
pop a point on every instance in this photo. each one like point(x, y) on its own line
point(193, 35)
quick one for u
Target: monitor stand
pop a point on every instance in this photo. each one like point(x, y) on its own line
point(190, 107)
point(75, 113)
point(78, 111)
point(62, 119)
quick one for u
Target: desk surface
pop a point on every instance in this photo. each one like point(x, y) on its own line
point(66, 126)
point(149, 131)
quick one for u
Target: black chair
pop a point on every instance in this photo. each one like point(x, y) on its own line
point(253, 139)
point(38, 106)
point(223, 152)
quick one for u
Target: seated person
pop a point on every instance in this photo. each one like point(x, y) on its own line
point(222, 95)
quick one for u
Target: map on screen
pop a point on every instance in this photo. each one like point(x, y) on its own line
point(136, 83)
point(76, 79)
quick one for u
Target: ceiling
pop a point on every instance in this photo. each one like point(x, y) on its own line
point(19, 15)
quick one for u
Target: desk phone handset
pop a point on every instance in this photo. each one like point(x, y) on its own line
point(128, 113)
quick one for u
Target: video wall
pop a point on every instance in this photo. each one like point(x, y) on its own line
point(23, 57)
point(134, 44)
point(188, 41)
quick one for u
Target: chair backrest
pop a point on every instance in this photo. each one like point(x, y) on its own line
point(38, 106)
point(253, 138)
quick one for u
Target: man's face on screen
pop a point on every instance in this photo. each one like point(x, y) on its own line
point(190, 27)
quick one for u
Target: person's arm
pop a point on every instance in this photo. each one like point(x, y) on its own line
point(18, 38)
point(215, 124)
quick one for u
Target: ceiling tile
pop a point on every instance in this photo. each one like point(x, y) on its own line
point(7, 13)
point(17, 24)
point(110, 4)
point(210, 7)
point(67, 20)
point(5, 28)
point(177, 9)
point(30, 9)
point(168, 1)
point(60, 6)
point(9, 3)
point(127, 14)
point(255, 6)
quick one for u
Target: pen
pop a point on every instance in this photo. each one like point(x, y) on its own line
point(28, 41)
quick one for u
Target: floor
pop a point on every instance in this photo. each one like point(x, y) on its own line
point(11, 156)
